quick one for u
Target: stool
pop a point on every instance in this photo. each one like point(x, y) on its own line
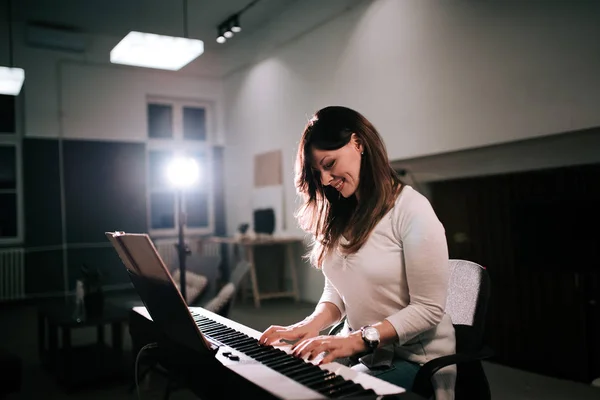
point(11, 371)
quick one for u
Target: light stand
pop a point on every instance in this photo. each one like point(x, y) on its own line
point(182, 250)
point(183, 173)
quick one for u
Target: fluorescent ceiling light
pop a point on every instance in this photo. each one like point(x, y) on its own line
point(156, 51)
point(11, 80)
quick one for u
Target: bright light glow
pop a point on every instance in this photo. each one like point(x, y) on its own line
point(156, 51)
point(221, 39)
point(228, 34)
point(11, 80)
point(183, 172)
point(236, 28)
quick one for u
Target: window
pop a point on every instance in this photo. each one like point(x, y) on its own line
point(178, 128)
point(11, 225)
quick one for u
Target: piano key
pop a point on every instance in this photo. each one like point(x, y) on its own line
point(317, 379)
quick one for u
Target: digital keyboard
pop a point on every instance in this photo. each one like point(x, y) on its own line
point(275, 370)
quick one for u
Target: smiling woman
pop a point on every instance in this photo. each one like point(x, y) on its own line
point(342, 159)
point(383, 253)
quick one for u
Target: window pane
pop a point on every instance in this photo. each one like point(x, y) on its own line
point(157, 169)
point(160, 121)
point(162, 210)
point(8, 165)
point(8, 215)
point(196, 206)
point(7, 114)
point(194, 123)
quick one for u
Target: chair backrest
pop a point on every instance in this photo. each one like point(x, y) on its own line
point(467, 302)
point(221, 303)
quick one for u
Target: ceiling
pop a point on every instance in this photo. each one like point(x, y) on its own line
point(118, 17)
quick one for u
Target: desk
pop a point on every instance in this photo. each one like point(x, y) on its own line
point(249, 244)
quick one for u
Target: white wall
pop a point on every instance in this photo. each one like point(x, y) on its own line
point(99, 100)
point(433, 76)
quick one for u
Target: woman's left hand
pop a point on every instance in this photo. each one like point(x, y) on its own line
point(334, 347)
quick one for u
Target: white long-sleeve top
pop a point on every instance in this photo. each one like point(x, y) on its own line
point(400, 274)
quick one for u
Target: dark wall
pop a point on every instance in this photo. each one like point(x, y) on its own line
point(537, 234)
point(43, 216)
point(104, 190)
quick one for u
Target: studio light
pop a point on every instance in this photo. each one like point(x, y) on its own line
point(182, 172)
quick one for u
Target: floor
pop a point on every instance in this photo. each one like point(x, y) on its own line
point(21, 338)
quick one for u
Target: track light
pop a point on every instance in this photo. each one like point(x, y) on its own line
point(235, 24)
point(231, 25)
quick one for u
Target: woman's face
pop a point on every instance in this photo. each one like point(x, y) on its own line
point(339, 168)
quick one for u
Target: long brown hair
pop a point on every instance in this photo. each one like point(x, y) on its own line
point(324, 213)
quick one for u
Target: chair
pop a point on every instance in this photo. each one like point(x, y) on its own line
point(466, 304)
point(223, 301)
point(202, 272)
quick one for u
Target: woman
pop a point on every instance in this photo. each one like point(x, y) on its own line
point(381, 248)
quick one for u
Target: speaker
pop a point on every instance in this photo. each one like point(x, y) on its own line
point(264, 221)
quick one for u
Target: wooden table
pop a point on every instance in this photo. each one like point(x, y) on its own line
point(249, 244)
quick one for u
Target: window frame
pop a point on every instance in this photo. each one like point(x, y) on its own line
point(179, 144)
point(14, 140)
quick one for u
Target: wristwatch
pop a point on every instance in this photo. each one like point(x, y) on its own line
point(370, 335)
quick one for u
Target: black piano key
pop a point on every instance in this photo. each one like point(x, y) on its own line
point(308, 368)
point(261, 352)
point(328, 384)
point(226, 335)
point(316, 380)
point(293, 362)
point(240, 341)
point(270, 358)
point(250, 345)
point(266, 351)
point(279, 365)
point(307, 373)
point(288, 370)
point(208, 324)
point(213, 329)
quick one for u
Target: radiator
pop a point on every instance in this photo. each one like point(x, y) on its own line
point(12, 275)
point(168, 251)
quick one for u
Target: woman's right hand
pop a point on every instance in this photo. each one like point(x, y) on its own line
point(293, 333)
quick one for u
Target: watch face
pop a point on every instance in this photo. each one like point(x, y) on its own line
point(371, 334)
